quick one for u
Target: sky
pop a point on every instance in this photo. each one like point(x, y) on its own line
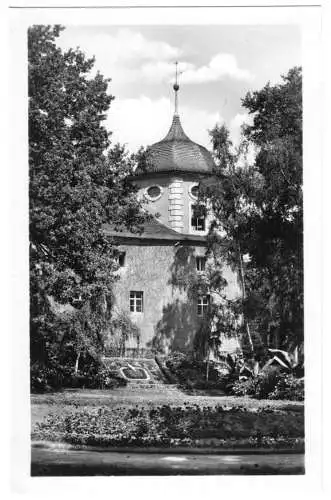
point(218, 65)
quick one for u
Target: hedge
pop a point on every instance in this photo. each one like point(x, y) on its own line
point(173, 425)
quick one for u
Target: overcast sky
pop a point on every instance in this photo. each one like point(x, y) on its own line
point(219, 65)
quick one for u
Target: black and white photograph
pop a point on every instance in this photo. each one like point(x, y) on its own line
point(165, 186)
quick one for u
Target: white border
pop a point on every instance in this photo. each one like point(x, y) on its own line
point(294, 486)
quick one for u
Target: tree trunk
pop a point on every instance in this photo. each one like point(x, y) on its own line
point(138, 346)
point(207, 368)
point(242, 275)
point(77, 362)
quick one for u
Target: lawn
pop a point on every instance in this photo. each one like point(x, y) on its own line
point(165, 416)
point(71, 400)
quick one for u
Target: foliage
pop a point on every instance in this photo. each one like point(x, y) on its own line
point(290, 362)
point(121, 328)
point(190, 372)
point(143, 159)
point(258, 212)
point(275, 274)
point(241, 377)
point(167, 425)
point(185, 368)
point(93, 375)
point(78, 182)
point(271, 383)
point(44, 378)
point(288, 387)
point(222, 146)
point(223, 318)
point(245, 387)
point(266, 382)
point(106, 379)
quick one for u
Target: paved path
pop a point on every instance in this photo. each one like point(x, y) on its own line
point(61, 462)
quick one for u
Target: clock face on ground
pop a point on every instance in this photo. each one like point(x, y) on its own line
point(135, 373)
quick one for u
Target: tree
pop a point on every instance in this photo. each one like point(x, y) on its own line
point(276, 222)
point(78, 182)
point(222, 146)
point(258, 211)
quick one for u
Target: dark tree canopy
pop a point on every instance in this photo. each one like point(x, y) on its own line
point(276, 225)
point(261, 211)
point(78, 182)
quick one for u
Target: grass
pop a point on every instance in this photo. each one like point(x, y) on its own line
point(142, 418)
point(68, 401)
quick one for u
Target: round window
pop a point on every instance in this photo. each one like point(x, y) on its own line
point(154, 192)
point(195, 191)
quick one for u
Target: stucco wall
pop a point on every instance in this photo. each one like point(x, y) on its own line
point(174, 205)
point(169, 320)
point(161, 205)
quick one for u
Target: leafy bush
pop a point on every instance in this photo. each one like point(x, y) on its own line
point(266, 382)
point(288, 387)
point(269, 384)
point(106, 379)
point(191, 373)
point(168, 425)
point(244, 387)
point(46, 379)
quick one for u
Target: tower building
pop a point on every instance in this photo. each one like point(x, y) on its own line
point(152, 289)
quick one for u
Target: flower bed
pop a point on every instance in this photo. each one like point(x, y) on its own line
point(166, 425)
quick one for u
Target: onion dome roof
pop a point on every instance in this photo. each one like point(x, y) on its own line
point(177, 153)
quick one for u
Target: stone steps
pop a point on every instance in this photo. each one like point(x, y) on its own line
point(155, 386)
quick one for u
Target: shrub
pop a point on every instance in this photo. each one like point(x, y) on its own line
point(106, 379)
point(244, 387)
point(271, 384)
point(191, 373)
point(288, 387)
point(46, 379)
point(266, 382)
point(168, 425)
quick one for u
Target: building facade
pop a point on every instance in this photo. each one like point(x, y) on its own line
point(152, 289)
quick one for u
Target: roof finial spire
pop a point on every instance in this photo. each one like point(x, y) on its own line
point(176, 88)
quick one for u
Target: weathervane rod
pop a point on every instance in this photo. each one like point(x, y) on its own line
point(176, 88)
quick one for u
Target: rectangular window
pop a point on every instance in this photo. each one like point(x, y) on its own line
point(201, 264)
point(203, 304)
point(198, 220)
point(136, 301)
point(121, 259)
